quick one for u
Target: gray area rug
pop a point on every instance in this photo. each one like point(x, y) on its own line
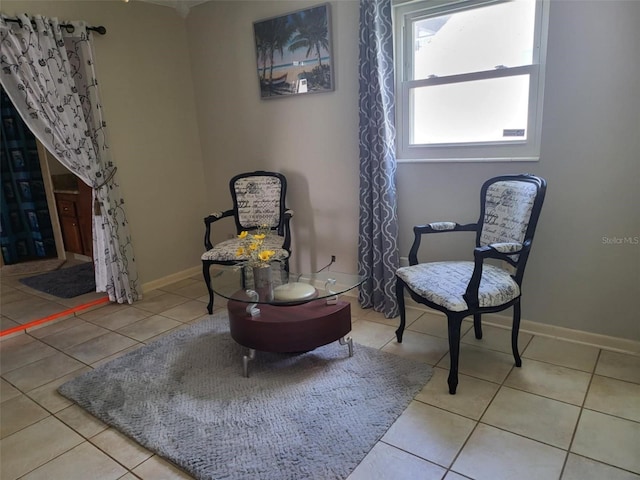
point(313, 415)
point(66, 282)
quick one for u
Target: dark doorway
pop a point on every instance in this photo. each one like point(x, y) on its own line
point(26, 232)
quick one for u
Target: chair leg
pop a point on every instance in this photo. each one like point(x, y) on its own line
point(454, 323)
point(514, 334)
point(207, 280)
point(403, 313)
point(477, 325)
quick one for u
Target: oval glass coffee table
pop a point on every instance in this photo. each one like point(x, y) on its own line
point(295, 313)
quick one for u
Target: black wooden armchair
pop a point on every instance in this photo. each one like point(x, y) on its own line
point(510, 207)
point(258, 202)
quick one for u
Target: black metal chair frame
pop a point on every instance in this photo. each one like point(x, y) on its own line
point(481, 253)
point(282, 229)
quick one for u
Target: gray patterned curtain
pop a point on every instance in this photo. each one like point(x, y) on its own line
point(377, 243)
point(49, 76)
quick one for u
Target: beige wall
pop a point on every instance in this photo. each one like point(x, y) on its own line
point(589, 156)
point(590, 147)
point(311, 139)
point(591, 159)
point(147, 94)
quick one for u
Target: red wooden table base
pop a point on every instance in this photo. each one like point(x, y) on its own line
point(289, 329)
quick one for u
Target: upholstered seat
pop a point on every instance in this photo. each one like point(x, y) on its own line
point(510, 207)
point(258, 203)
point(226, 250)
point(445, 284)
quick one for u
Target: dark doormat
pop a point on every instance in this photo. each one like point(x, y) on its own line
point(66, 282)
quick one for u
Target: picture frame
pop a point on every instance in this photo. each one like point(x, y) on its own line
point(17, 160)
point(33, 220)
point(294, 53)
point(25, 191)
point(40, 250)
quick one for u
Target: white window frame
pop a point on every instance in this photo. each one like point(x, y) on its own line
point(406, 12)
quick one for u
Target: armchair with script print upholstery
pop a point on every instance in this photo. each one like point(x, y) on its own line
point(258, 203)
point(510, 207)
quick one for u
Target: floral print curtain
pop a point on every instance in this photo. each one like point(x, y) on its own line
point(49, 76)
point(378, 228)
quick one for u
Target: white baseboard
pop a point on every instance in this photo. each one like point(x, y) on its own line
point(173, 278)
point(605, 342)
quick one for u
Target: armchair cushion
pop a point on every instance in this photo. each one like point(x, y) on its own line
point(218, 214)
point(506, 247)
point(508, 207)
point(445, 283)
point(443, 226)
point(259, 200)
point(226, 251)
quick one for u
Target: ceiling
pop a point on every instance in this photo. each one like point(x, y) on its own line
point(181, 6)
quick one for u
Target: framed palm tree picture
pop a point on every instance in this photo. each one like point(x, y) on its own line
point(293, 53)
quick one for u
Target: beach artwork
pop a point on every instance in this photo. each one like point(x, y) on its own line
point(293, 53)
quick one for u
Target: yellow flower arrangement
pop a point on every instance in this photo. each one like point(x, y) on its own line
point(252, 248)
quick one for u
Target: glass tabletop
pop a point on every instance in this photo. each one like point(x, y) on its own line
point(278, 287)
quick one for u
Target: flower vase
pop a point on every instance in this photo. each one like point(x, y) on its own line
point(263, 282)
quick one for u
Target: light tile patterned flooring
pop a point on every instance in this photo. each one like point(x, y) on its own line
point(572, 411)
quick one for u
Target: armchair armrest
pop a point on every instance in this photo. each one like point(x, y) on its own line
point(499, 251)
point(443, 226)
point(503, 251)
point(286, 233)
point(506, 247)
point(208, 220)
point(435, 227)
point(438, 227)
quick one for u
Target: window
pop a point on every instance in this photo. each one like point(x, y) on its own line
point(470, 78)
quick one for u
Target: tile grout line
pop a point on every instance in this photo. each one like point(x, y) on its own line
point(479, 421)
point(584, 400)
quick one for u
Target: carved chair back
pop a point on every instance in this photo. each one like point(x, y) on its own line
point(259, 200)
point(511, 206)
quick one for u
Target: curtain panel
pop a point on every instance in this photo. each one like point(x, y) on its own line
point(49, 76)
point(378, 257)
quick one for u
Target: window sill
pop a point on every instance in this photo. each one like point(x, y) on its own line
point(468, 160)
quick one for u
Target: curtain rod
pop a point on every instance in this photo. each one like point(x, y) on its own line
point(70, 28)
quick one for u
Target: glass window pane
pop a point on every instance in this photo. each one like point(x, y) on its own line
point(474, 40)
point(479, 111)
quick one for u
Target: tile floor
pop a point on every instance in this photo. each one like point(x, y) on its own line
point(572, 411)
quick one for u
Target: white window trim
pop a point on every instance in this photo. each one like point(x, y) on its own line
point(525, 151)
